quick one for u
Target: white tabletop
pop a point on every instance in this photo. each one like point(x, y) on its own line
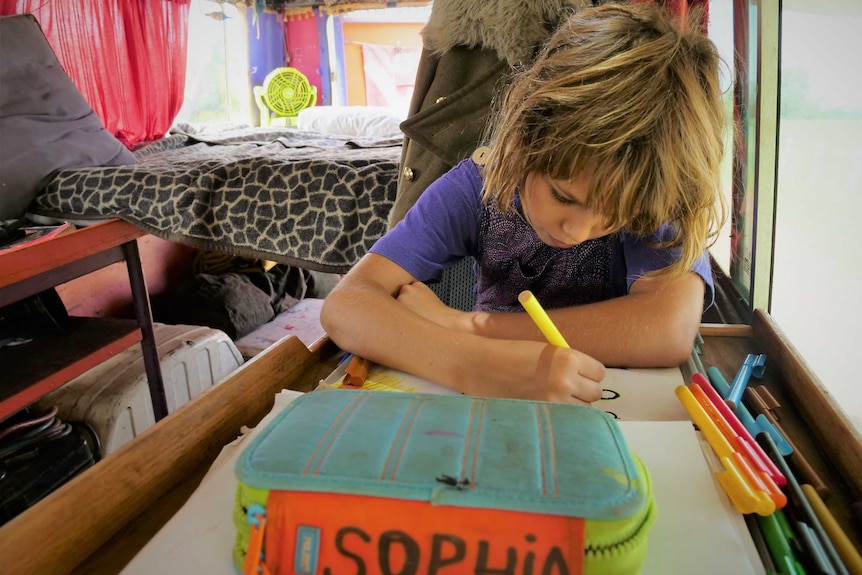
point(697, 530)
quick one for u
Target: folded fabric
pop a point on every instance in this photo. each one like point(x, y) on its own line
point(45, 122)
point(228, 302)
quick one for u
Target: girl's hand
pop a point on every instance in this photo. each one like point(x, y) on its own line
point(418, 298)
point(533, 370)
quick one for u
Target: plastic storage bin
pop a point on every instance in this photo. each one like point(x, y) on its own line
point(114, 398)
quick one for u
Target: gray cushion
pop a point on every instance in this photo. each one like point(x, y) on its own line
point(45, 122)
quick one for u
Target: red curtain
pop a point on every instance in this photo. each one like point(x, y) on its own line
point(681, 8)
point(127, 57)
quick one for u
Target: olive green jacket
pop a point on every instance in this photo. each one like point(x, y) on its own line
point(470, 49)
point(448, 112)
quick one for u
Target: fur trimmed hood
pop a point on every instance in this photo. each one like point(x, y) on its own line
point(513, 28)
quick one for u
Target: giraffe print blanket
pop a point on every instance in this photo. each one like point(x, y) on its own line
point(305, 199)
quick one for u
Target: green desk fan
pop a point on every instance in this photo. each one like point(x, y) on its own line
point(284, 94)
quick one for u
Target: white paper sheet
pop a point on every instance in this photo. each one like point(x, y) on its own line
point(629, 394)
point(697, 530)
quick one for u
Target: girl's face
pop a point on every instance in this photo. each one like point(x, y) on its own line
point(556, 211)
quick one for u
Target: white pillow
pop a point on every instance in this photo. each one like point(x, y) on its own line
point(361, 121)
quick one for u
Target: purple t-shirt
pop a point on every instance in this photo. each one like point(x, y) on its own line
point(450, 221)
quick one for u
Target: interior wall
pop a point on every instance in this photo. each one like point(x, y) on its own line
point(265, 52)
point(106, 292)
point(304, 51)
point(406, 34)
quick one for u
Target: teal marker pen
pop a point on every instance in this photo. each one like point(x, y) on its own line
point(814, 549)
point(754, 426)
point(754, 365)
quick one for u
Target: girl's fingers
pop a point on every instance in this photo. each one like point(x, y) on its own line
point(590, 391)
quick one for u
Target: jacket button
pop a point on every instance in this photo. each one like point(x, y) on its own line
point(408, 174)
point(440, 99)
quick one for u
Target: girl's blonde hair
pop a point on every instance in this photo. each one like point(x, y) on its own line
point(625, 91)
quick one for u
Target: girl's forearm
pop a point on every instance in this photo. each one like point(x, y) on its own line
point(375, 326)
point(648, 329)
point(389, 333)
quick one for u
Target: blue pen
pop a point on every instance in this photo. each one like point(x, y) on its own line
point(811, 544)
point(770, 427)
point(753, 365)
point(754, 426)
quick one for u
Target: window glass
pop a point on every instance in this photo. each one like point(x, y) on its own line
point(817, 274)
point(721, 33)
point(747, 25)
point(380, 52)
point(217, 67)
point(733, 27)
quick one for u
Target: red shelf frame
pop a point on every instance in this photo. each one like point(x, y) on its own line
point(28, 269)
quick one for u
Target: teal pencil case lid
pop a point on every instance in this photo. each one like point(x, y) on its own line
point(505, 454)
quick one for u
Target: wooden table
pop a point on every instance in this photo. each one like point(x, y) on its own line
point(98, 521)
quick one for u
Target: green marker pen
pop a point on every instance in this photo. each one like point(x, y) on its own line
point(773, 527)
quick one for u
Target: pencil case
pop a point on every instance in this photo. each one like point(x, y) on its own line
point(350, 481)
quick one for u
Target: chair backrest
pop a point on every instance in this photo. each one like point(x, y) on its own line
point(455, 288)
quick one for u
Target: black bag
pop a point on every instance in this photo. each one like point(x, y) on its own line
point(38, 454)
point(37, 315)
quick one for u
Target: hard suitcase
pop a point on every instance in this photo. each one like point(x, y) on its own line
point(114, 398)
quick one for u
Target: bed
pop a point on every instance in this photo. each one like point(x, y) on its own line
point(303, 198)
point(314, 196)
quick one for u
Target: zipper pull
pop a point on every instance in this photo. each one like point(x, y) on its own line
point(254, 564)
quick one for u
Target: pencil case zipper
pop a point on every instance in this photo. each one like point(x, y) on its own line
point(610, 549)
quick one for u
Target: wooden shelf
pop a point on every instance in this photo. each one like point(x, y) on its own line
point(31, 370)
point(28, 372)
point(45, 256)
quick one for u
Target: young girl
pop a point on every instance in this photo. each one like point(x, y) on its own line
point(599, 192)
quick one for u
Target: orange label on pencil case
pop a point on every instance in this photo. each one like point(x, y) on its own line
point(331, 534)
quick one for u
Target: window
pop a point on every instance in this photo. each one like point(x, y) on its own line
point(374, 55)
point(217, 85)
point(797, 174)
point(817, 271)
point(721, 33)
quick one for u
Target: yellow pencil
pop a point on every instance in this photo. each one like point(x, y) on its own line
point(541, 319)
